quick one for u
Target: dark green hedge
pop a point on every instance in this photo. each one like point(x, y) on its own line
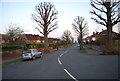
point(39, 45)
point(11, 47)
point(62, 43)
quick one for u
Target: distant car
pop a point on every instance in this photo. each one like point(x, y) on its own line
point(78, 45)
point(31, 54)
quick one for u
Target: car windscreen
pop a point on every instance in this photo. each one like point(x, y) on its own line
point(27, 51)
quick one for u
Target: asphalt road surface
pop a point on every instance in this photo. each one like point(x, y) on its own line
point(67, 63)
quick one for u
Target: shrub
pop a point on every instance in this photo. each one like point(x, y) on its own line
point(39, 45)
point(100, 41)
point(11, 47)
point(50, 44)
point(27, 45)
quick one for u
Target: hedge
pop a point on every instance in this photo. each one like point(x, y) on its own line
point(28, 45)
point(39, 45)
point(8, 47)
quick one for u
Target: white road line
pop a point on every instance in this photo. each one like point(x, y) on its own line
point(61, 55)
point(65, 52)
point(59, 61)
point(70, 75)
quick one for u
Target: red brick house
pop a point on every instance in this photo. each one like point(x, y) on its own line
point(39, 39)
point(87, 39)
point(32, 38)
point(102, 35)
point(29, 38)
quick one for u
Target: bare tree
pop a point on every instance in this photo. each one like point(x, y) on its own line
point(13, 33)
point(66, 35)
point(107, 15)
point(45, 18)
point(81, 28)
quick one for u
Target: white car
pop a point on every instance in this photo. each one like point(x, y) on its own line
point(31, 54)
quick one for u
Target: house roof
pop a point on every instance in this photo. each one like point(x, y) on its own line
point(32, 37)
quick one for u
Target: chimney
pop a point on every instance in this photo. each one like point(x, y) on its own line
point(102, 30)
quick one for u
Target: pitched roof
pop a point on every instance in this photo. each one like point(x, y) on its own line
point(32, 37)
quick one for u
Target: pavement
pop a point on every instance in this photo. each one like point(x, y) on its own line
point(67, 63)
point(94, 47)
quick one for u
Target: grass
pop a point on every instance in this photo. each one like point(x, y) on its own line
point(11, 62)
point(84, 51)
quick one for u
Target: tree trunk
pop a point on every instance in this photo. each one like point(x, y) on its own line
point(46, 43)
point(45, 37)
point(81, 44)
point(109, 29)
point(110, 38)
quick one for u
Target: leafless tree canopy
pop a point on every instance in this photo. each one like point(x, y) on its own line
point(66, 35)
point(106, 13)
point(80, 26)
point(103, 8)
point(13, 33)
point(45, 17)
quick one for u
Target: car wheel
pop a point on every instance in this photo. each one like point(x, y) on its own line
point(40, 56)
point(33, 58)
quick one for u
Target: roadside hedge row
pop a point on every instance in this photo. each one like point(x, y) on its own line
point(32, 45)
point(11, 47)
point(39, 45)
point(63, 43)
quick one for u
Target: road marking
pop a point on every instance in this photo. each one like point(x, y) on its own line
point(65, 69)
point(61, 55)
point(70, 75)
point(59, 61)
point(65, 52)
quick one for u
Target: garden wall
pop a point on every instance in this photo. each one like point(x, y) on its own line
point(11, 54)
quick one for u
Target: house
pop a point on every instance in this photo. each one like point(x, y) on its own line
point(104, 34)
point(32, 38)
point(39, 39)
point(28, 38)
point(3, 39)
point(87, 39)
point(97, 35)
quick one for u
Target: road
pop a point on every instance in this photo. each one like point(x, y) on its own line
point(67, 63)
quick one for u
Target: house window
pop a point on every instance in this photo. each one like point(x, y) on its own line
point(38, 40)
point(43, 41)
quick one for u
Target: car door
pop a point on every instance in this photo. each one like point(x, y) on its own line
point(36, 52)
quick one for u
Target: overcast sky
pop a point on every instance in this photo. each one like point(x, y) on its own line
point(20, 13)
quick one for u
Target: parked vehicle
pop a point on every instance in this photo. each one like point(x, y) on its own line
point(78, 45)
point(31, 54)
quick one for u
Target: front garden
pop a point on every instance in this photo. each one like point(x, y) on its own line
point(13, 51)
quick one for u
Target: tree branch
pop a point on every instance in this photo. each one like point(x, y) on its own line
point(39, 30)
point(102, 23)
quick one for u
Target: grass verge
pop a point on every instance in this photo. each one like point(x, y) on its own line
point(84, 51)
point(11, 62)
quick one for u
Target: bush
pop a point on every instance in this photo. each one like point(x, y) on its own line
point(11, 47)
point(50, 44)
point(64, 43)
point(27, 45)
point(39, 45)
point(100, 41)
